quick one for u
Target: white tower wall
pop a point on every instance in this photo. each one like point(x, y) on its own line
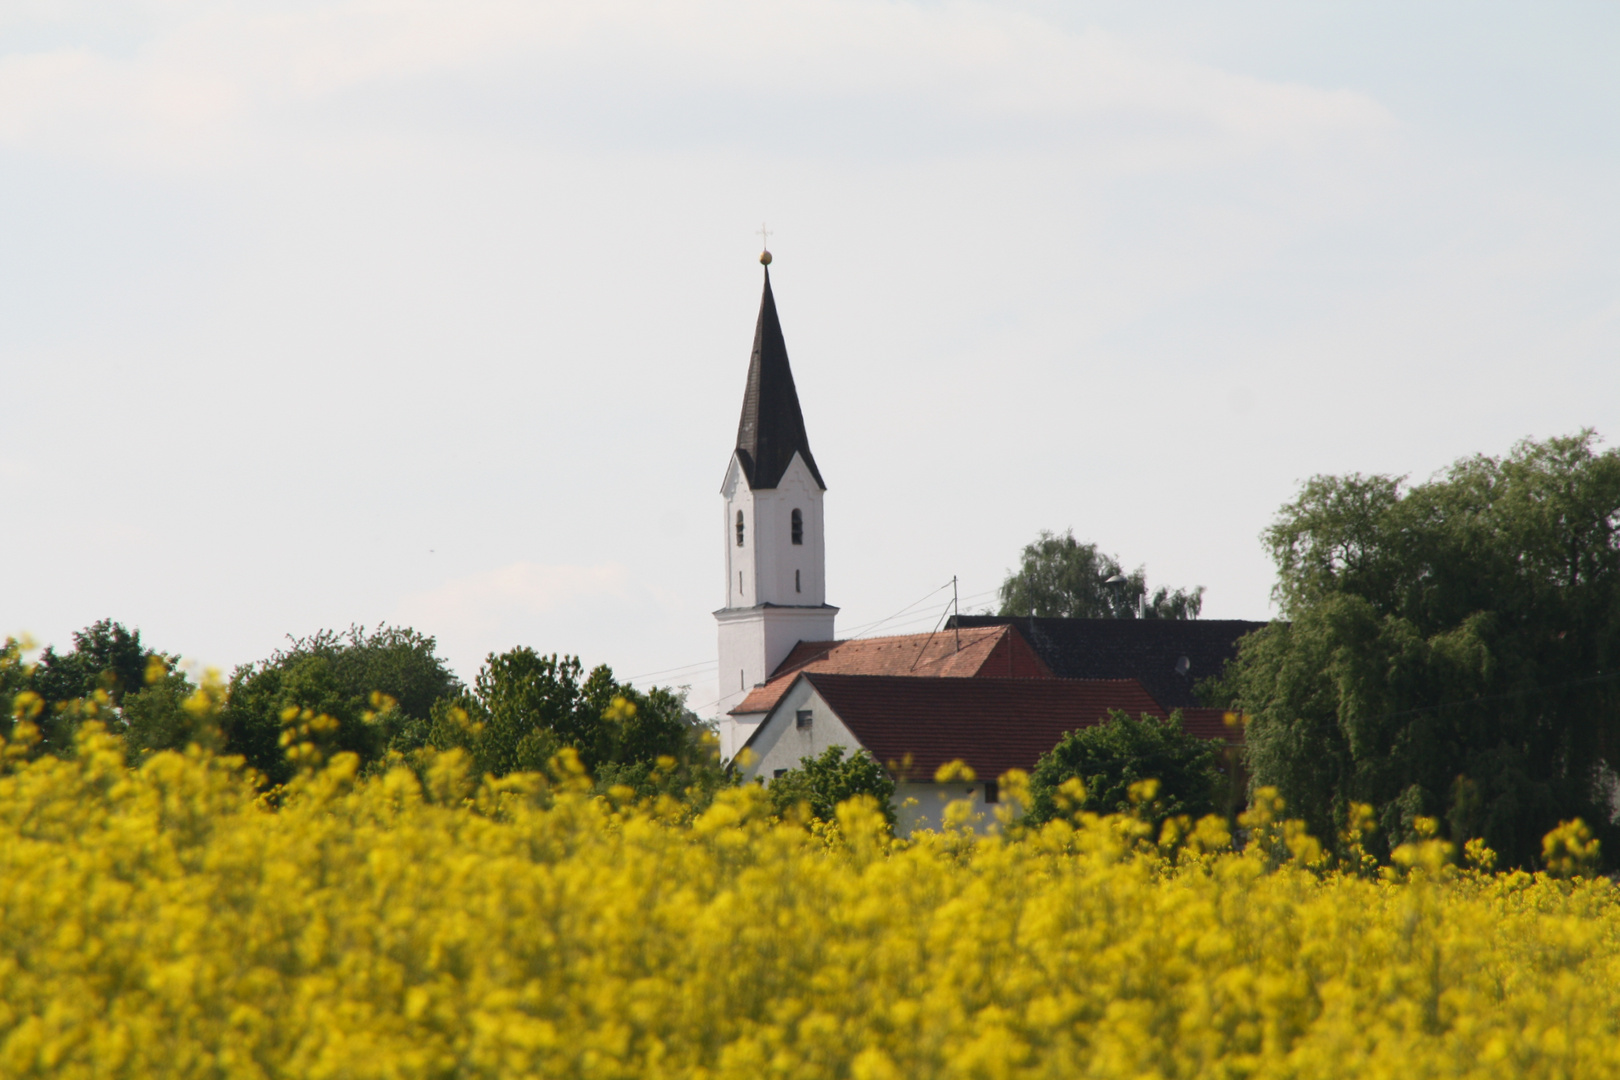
point(775, 589)
point(773, 569)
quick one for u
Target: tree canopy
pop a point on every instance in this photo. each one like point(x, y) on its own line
point(336, 673)
point(1450, 649)
point(1060, 577)
point(107, 659)
point(384, 695)
point(1110, 757)
point(525, 707)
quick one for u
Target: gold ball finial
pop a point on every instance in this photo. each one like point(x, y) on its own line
point(765, 258)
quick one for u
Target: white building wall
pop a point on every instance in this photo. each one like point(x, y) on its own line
point(792, 575)
point(768, 557)
point(742, 654)
point(768, 569)
point(735, 730)
point(781, 744)
point(741, 579)
point(753, 642)
point(921, 806)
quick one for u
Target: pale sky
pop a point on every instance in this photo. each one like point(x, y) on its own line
point(321, 313)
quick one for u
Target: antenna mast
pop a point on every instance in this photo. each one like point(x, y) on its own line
point(956, 606)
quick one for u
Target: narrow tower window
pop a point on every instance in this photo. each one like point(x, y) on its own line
point(739, 583)
point(796, 582)
point(798, 527)
point(739, 529)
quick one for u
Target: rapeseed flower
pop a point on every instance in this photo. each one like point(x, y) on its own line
point(166, 920)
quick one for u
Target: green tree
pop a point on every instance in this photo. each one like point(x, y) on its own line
point(155, 717)
point(337, 673)
point(14, 679)
point(1111, 756)
point(821, 783)
point(106, 658)
point(1059, 577)
point(524, 707)
point(527, 706)
point(393, 660)
point(1449, 652)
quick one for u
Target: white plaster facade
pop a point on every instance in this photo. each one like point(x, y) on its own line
point(768, 567)
point(776, 590)
point(780, 743)
point(920, 806)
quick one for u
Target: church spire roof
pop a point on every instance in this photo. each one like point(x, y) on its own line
point(772, 427)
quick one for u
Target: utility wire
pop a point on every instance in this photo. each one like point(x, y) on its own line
point(694, 668)
point(920, 617)
point(862, 631)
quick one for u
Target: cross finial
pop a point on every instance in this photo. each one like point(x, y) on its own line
point(765, 244)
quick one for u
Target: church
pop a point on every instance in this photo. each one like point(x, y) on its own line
point(995, 692)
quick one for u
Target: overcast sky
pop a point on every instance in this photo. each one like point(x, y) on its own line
point(320, 313)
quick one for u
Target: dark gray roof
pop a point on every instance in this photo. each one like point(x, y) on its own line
point(1148, 650)
point(772, 427)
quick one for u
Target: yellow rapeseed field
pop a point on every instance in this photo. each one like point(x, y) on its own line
point(164, 921)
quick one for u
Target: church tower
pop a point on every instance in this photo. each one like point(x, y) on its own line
point(775, 561)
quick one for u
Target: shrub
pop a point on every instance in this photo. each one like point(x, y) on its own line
point(1111, 757)
point(821, 783)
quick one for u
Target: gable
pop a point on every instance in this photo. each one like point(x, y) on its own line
point(797, 478)
point(779, 743)
point(734, 477)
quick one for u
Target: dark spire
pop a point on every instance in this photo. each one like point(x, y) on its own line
point(772, 427)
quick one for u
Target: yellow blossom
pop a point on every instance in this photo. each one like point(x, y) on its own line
point(165, 920)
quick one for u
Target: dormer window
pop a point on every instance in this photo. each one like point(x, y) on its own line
point(798, 527)
point(739, 529)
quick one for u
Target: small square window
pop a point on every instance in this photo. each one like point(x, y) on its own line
point(778, 773)
point(992, 791)
point(802, 718)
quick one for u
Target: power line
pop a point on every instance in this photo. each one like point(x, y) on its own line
point(866, 628)
point(694, 668)
point(919, 618)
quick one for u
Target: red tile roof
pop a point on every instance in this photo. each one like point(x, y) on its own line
point(1211, 724)
point(977, 653)
point(992, 724)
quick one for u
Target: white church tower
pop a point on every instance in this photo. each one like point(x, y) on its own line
point(776, 594)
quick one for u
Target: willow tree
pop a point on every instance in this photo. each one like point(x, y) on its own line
point(1064, 578)
point(1450, 649)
